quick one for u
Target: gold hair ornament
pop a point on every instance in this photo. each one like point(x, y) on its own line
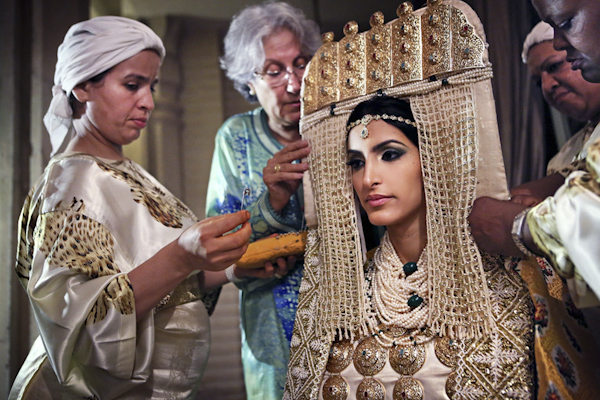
point(366, 120)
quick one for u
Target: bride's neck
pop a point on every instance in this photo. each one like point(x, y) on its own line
point(409, 241)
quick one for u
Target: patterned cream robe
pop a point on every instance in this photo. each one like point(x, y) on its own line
point(84, 226)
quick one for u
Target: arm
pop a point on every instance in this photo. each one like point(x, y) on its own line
point(230, 175)
point(273, 210)
point(282, 176)
point(563, 228)
point(212, 280)
point(491, 220)
point(278, 209)
point(265, 222)
point(203, 246)
point(491, 223)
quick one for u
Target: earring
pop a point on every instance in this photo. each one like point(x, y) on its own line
point(251, 91)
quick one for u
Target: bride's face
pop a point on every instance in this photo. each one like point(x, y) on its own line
point(386, 174)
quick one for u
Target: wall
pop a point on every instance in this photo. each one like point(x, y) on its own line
point(31, 32)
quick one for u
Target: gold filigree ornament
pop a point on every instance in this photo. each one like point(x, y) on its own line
point(335, 388)
point(369, 357)
point(408, 388)
point(447, 350)
point(340, 356)
point(370, 388)
point(406, 360)
point(432, 41)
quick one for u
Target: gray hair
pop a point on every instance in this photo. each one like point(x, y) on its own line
point(244, 52)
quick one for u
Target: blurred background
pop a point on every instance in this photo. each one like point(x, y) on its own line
point(192, 100)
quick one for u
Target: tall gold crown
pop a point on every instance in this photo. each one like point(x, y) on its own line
point(418, 45)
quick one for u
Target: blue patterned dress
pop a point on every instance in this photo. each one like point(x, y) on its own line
point(243, 146)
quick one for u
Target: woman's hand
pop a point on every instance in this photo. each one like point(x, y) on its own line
point(207, 245)
point(203, 246)
point(283, 178)
point(278, 269)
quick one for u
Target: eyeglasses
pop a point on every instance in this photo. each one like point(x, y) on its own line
point(276, 74)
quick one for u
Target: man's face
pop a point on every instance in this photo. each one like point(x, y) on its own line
point(576, 30)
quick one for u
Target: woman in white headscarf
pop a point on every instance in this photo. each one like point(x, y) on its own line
point(112, 262)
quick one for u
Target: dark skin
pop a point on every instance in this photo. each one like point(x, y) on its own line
point(491, 220)
point(533, 192)
point(491, 223)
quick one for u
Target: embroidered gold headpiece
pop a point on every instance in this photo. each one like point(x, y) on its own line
point(432, 41)
point(366, 120)
point(436, 58)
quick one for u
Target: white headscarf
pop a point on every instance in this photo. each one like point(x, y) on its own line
point(90, 48)
point(542, 32)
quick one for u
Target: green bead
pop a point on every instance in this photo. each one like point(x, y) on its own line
point(415, 301)
point(409, 268)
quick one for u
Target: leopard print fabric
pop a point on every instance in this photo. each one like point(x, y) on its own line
point(25, 248)
point(70, 239)
point(168, 213)
point(578, 165)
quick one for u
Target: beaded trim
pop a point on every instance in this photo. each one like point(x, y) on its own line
point(161, 304)
point(366, 120)
point(517, 233)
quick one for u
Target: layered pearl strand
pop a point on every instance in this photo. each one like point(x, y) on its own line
point(396, 298)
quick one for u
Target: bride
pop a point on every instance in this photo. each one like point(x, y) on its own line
point(400, 353)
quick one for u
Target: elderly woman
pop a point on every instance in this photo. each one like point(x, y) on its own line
point(564, 89)
point(112, 262)
point(267, 48)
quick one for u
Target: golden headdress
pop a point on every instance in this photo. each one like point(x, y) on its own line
point(437, 59)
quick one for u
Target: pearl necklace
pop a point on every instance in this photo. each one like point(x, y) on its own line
point(388, 292)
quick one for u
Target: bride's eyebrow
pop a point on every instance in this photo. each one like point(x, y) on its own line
point(378, 146)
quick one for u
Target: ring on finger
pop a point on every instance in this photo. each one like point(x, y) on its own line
point(277, 276)
point(277, 168)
